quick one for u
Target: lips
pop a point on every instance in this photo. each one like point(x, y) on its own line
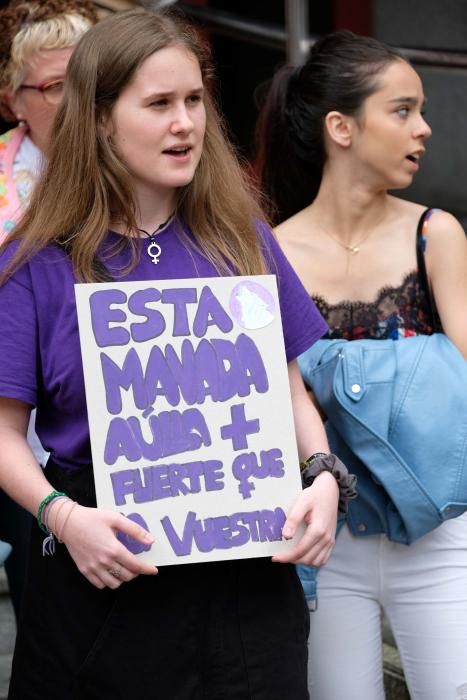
point(415, 156)
point(180, 150)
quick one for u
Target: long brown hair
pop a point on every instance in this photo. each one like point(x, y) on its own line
point(86, 185)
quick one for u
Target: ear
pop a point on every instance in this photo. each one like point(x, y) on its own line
point(104, 124)
point(339, 128)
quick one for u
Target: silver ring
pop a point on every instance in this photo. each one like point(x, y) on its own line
point(116, 571)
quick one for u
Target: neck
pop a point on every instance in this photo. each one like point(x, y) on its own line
point(152, 211)
point(40, 143)
point(348, 209)
point(153, 231)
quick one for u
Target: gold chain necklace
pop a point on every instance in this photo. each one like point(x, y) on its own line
point(352, 249)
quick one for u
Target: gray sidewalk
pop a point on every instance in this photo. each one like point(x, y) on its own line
point(7, 635)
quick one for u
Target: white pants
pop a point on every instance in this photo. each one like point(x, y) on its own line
point(423, 591)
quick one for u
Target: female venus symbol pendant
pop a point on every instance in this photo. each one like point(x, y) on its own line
point(154, 251)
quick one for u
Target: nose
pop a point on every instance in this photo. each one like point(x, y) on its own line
point(423, 129)
point(182, 121)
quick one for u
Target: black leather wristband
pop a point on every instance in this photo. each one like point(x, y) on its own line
point(321, 462)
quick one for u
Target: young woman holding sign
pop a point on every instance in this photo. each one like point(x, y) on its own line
point(152, 181)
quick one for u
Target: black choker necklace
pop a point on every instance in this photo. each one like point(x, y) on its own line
point(154, 250)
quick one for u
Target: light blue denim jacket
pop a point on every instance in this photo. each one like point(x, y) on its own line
point(397, 417)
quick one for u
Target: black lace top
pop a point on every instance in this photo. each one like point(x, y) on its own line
point(397, 312)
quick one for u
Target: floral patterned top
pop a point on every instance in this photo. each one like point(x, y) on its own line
point(19, 166)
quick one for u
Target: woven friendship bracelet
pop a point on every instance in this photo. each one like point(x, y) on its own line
point(43, 504)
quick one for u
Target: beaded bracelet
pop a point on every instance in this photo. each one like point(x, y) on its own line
point(42, 505)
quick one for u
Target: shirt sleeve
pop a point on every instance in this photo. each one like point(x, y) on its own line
point(302, 323)
point(18, 334)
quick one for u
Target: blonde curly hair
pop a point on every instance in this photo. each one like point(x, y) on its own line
point(30, 26)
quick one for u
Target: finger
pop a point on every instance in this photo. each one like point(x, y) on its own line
point(121, 573)
point(310, 539)
point(110, 580)
point(316, 558)
point(129, 527)
point(294, 518)
point(134, 564)
point(290, 557)
point(299, 555)
point(310, 546)
point(95, 580)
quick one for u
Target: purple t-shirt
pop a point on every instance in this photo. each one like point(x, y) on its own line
point(40, 356)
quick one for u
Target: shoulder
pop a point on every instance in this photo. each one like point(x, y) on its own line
point(442, 228)
point(10, 135)
point(39, 265)
point(290, 227)
point(445, 252)
point(445, 244)
point(439, 227)
point(267, 241)
point(264, 231)
point(404, 214)
point(10, 140)
point(7, 251)
point(296, 236)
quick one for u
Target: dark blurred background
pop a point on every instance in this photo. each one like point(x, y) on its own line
point(250, 39)
point(433, 32)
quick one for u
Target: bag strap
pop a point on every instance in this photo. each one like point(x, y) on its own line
point(422, 273)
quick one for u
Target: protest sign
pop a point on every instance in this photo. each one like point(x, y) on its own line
point(190, 413)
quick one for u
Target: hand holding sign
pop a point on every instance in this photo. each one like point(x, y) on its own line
point(91, 538)
point(317, 506)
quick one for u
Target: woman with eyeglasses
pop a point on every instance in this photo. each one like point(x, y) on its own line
point(36, 42)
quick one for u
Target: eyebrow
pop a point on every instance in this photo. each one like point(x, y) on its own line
point(407, 100)
point(170, 93)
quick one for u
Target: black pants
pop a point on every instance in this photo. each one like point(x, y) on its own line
point(218, 631)
point(15, 528)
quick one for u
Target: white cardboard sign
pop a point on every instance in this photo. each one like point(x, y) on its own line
point(190, 414)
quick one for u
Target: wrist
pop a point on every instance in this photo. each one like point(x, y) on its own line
point(325, 476)
point(43, 505)
point(320, 462)
point(62, 519)
point(51, 511)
